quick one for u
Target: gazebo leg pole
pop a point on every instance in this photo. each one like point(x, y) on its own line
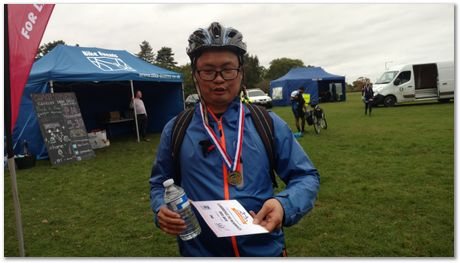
point(135, 113)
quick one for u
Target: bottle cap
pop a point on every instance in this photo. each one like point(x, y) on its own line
point(168, 182)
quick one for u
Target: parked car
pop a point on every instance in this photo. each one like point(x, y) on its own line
point(257, 96)
point(191, 100)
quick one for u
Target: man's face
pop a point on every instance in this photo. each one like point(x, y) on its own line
point(218, 93)
point(139, 94)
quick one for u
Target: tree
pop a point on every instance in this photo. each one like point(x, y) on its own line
point(349, 87)
point(252, 71)
point(264, 85)
point(280, 66)
point(358, 84)
point(146, 52)
point(165, 58)
point(46, 48)
point(189, 87)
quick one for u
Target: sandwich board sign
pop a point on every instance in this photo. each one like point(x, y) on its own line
point(62, 127)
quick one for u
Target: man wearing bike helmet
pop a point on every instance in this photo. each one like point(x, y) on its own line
point(216, 55)
point(299, 109)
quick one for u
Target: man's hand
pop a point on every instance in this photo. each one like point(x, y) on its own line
point(170, 222)
point(270, 215)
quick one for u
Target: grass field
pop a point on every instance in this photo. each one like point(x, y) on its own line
point(387, 190)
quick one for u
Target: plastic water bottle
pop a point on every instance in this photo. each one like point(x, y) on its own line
point(177, 201)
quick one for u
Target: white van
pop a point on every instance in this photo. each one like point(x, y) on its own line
point(415, 82)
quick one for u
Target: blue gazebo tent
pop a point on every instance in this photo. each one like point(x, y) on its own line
point(321, 85)
point(102, 80)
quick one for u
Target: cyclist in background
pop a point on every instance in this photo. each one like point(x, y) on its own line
point(299, 108)
point(244, 95)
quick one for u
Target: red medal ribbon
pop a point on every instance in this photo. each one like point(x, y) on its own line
point(232, 165)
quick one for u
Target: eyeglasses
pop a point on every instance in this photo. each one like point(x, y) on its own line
point(226, 74)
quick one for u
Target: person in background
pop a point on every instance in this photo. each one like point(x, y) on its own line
point(368, 98)
point(306, 98)
point(299, 108)
point(217, 57)
point(244, 95)
point(141, 115)
point(334, 92)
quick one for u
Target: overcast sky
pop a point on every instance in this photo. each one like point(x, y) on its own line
point(345, 39)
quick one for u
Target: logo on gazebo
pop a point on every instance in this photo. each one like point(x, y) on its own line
point(107, 61)
point(110, 64)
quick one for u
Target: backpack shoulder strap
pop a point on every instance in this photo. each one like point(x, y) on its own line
point(177, 136)
point(264, 126)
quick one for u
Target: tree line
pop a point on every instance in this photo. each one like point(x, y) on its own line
point(255, 75)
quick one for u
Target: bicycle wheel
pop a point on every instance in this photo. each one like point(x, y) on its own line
point(316, 124)
point(323, 122)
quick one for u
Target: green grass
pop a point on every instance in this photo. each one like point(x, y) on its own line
point(387, 189)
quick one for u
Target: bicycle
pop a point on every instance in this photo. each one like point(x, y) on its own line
point(317, 118)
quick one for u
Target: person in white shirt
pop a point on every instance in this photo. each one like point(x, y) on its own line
point(141, 115)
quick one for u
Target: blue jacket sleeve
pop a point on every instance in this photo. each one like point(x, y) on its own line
point(162, 169)
point(296, 170)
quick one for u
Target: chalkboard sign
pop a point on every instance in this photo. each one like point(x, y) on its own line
point(62, 127)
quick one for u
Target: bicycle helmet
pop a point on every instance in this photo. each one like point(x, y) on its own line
point(215, 36)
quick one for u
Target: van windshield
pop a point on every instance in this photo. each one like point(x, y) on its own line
point(386, 77)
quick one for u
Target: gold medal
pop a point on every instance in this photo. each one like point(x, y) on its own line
point(235, 178)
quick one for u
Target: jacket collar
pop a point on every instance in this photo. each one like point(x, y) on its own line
point(230, 114)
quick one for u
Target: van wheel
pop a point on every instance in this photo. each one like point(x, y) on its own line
point(389, 101)
point(443, 100)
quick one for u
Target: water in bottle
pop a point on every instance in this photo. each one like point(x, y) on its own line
point(177, 201)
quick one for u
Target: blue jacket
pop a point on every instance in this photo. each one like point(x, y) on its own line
point(202, 179)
